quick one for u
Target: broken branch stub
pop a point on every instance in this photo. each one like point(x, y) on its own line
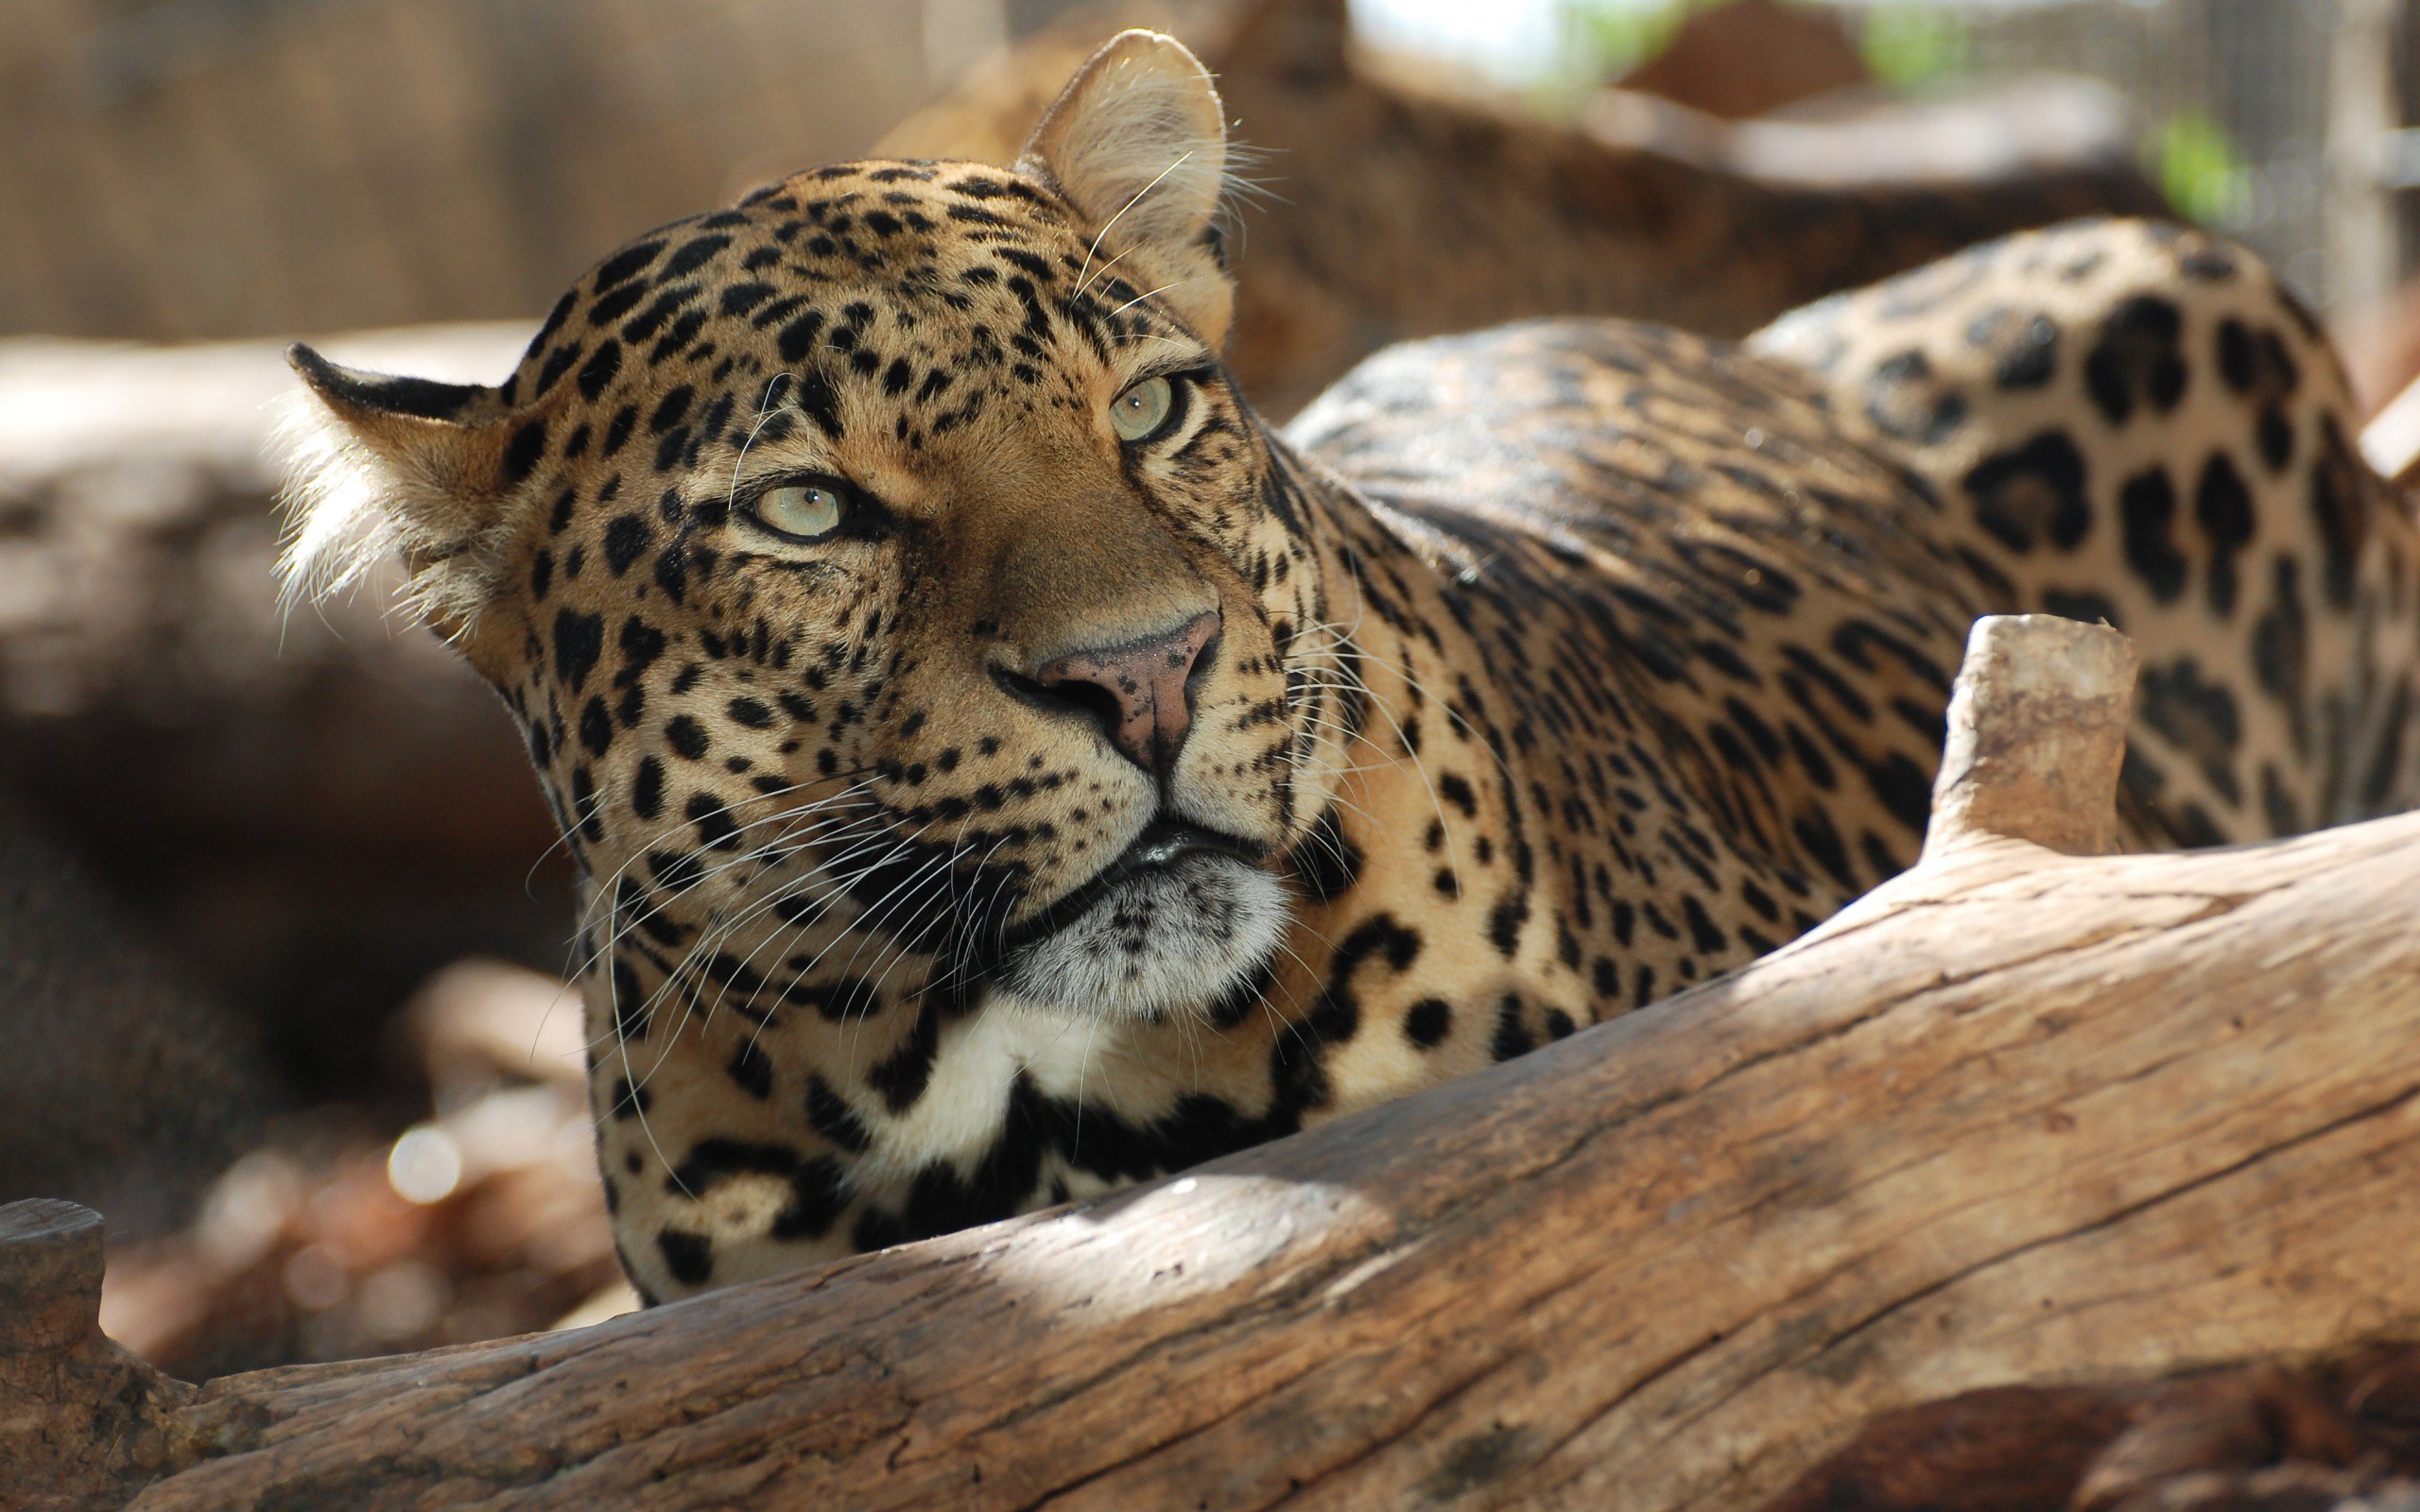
point(82, 1422)
point(2037, 730)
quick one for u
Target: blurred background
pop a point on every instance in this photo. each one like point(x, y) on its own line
point(281, 930)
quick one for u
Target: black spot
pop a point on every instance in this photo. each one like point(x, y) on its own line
point(557, 363)
point(612, 307)
point(2276, 434)
point(629, 1099)
point(641, 643)
point(2223, 508)
point(671, 410)
point(647, 789)
point(1905, 788)
point(689, 1257)
point(644, 325)
point(2340, 507)
point(2147, 509)
point(579, 639)
point(1905, 401)
point(1703, 933)
point(741, 297)
point(2024, 347)
point(716, 830)
point(829, 1115)
point(820, 403)
point(750, 1070)
point(2035, 489)
point(2239, 355)
point(752, 712)
point(1513, 1037)
point(521, 453)
point(2136, 359)
point(686, 737)
point(2281, 640)
point(1425, 1022)
point(692, 255)
point(595, 727)
point(1325, 863)
point(798, 337)
point(626, 536)
point(901, 1077)
point(600, 369)
point(624, 266)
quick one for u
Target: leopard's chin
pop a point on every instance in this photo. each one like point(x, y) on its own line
point(1169, 935)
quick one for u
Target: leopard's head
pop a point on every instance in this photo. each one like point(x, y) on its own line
point(887, 558)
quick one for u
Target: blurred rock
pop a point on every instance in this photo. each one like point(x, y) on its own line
point(1745, 58)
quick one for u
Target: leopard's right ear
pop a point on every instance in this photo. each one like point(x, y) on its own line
point(422, 470)
point(1137, 143)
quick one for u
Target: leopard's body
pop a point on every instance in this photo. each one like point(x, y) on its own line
point(1529, 676)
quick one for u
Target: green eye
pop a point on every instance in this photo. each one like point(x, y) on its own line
point(1137, 414)
point(805, 511)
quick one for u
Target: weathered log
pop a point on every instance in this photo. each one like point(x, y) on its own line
point(82, 1422)
point(2017, 1117)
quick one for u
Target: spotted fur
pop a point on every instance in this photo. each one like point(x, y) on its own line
point(1547, 670)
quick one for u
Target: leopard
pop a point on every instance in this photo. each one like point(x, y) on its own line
point(1004, 768)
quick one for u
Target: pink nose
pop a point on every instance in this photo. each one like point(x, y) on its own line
point(1137, 690)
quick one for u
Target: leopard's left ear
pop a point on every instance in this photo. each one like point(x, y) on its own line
point(1137, 143)
point(406, 468)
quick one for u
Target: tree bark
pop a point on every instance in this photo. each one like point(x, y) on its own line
point(2019, 1116)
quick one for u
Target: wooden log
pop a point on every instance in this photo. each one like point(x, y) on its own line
point(82, 1422)
point(2017, 1117)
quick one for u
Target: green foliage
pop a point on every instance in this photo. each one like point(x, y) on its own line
point(2200, 168)
point(1911, 44)
point(1610, 37)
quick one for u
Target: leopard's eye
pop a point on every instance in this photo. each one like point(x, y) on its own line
point(1138, 414)
point(802, 511)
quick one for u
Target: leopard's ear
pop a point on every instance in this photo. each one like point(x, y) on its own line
point(411, 468)
point(1137, 143)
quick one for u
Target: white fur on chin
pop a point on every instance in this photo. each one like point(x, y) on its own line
point(1167, 940)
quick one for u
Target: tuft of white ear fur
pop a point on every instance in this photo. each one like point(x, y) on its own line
point(1137, 143)
point(365, 485)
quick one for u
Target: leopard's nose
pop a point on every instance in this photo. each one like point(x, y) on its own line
point(1138, 692)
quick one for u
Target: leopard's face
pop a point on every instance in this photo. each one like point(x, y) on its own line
point(882, 568)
